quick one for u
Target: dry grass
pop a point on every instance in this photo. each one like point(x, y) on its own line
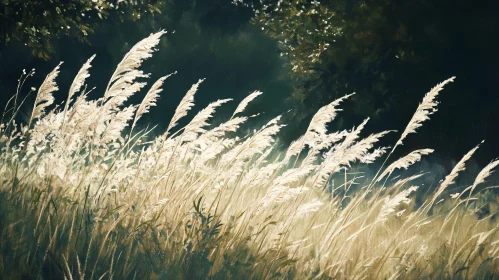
point(84, 194)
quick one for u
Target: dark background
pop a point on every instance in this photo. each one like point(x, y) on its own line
point(213, 39)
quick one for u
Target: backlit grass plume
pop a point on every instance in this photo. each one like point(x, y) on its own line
point(404, 162)
point(44, 97)
point(426, 108)
point(89, 192)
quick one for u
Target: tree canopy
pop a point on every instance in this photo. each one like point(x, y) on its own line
point(335, 47)
point(38, 23)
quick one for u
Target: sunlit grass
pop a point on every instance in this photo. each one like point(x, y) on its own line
point(86, 194)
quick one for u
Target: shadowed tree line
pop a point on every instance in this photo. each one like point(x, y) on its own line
point(386, 51)
point(38, 24)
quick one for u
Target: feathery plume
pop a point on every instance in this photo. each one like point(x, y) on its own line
point(404, 181)
point(122, 84)
point(294, 148)
point(359, 150)
point(340, 155)
point(323, 142)
point(460, 166)
point(79, 80)
point(318, 125)
point(309, 207)
point(214, 150)
point(405, 162)
point(44, 97)
point(116, 125)
point(280, 194)
point(424, 110)
point(123, 88)
point(484, 173)
point(350, 138)
point(293, 175)
point(126, 72)
point(480, 178)
point(77, 84)
point(240, 108)
point(371, 157)
point(392, 203)
point(262, 139)
point(212, 136)
point(229, 126)
point(150, 98)
point(317, 129)
point(199, 121)
point(184, 106)
point(329, 139)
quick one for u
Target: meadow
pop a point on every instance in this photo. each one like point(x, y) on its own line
point(86, 193)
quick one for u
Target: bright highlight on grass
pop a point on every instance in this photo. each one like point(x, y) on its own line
point(86, 194)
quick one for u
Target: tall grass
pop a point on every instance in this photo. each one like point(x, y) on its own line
point(86, 194)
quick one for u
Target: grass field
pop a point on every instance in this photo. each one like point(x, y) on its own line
point(87, 194)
